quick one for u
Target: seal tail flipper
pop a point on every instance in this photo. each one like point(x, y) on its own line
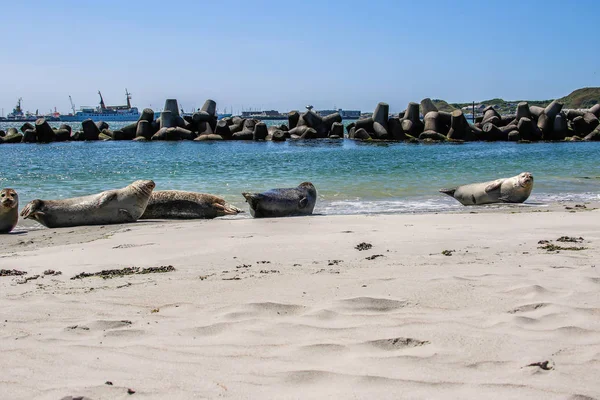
point(26, 212)
point(227, 209)
point(449, 192)
point(31, 210)
point(252, 199)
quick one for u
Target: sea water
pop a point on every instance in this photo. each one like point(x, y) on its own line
point(351, 177)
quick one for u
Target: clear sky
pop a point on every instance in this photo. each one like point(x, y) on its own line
point(283, 55)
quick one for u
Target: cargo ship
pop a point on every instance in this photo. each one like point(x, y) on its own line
point(103, 112)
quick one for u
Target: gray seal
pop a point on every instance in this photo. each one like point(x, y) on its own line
point(177, 204)
point(108, 207)
point(504, 190)
point(9, 210)
point(300, 200)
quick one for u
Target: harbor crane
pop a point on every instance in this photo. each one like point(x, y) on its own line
point(72, 104)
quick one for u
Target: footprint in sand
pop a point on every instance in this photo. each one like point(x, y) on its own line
point(396, 343)
point(529, 291)
point(371, 304)
point(213, 329)
point(266, 309)
point(528, 308)
point(100, 325)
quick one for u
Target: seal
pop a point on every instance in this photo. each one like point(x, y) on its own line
point(9, 210)
point(108, 207)
point(177, 204)
point(283, 202)
point(504, 190)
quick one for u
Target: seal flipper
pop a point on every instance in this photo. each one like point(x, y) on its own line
point(303, 203)
point(449, 192)
point(106, 198)
point(494, 185)
point(126, 214)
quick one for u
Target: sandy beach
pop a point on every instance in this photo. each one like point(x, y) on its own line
point(292, 309)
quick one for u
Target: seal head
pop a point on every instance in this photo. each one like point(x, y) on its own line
point(525, 180)
point(9, 198)
point(9, 210)
point(516, 189)
point(143, 187)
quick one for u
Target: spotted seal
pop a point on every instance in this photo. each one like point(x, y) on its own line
point(9, 210)
point(177, 204)
point(504, 190)
point(108, 207)
point(300, 200)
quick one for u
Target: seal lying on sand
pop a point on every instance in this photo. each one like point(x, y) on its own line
point(504, 190)
point(109, 207)
point(283, 202)
point(177, 204)
point(9, 210)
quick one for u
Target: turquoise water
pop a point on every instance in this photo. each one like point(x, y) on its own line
point(351, 177)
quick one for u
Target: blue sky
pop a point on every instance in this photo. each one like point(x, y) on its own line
point(284, 55)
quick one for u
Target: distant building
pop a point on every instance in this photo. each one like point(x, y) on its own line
point(346, 114)
point(478, 107)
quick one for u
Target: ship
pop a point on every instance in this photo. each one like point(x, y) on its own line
point(17, 115)
point(103, 112)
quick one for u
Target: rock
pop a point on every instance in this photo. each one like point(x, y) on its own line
point(427, 106)
point(205, 137)
point(293, 118)
point(144, 129)
point(553, 109)
point(90, 130)
point(29, 136)
point(523, 111)
point(337, 129)
point(26, 126)
point(44, 132)
point(260, 131)
point(209, 107)
point(147, 115)
point(62, 135)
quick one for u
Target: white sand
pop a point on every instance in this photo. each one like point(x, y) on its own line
point(411, 324)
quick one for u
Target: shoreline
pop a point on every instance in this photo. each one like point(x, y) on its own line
point(31, 230)
point(273, 307)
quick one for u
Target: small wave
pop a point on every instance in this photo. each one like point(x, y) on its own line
point(563, 197)
point(358, 206)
